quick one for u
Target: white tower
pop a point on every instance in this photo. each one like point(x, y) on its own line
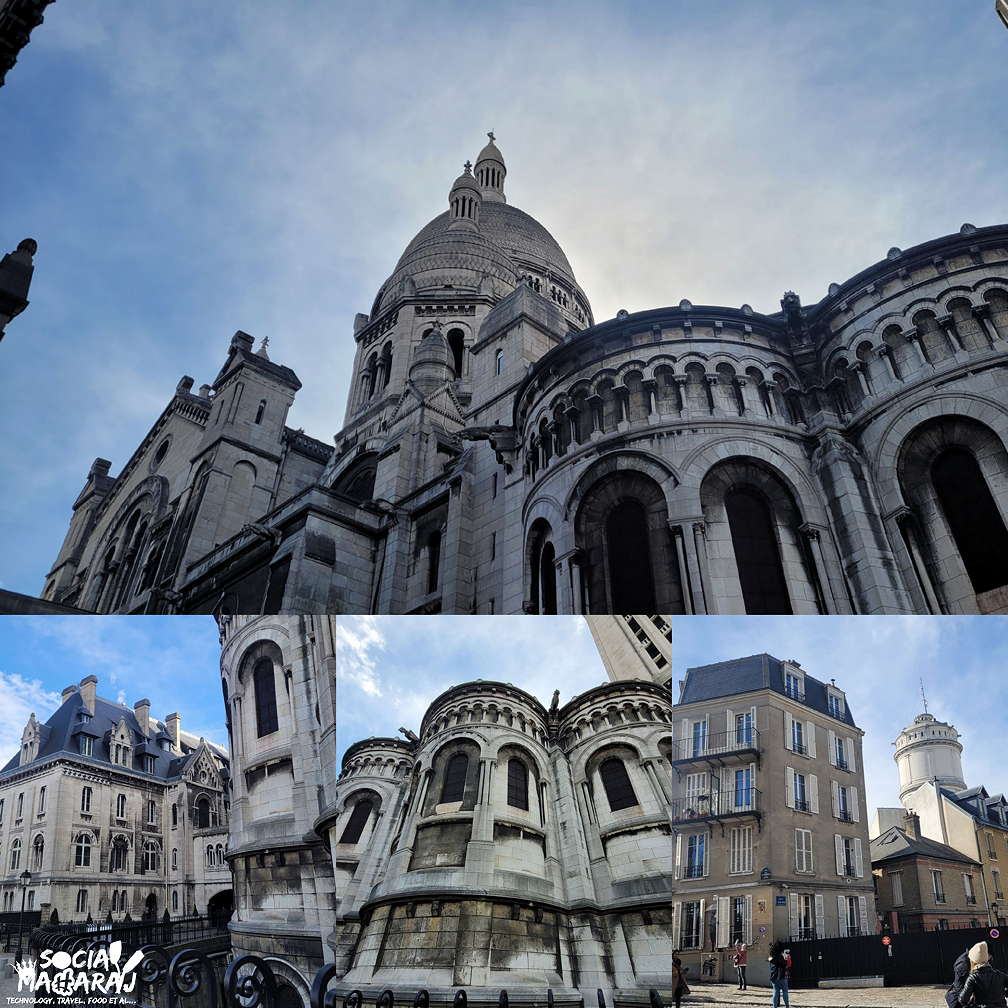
point(634, 647)
point(928, 750)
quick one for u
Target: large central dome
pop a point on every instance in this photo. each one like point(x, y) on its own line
point(481, 239)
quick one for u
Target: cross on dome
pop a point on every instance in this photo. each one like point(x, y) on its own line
point(468, 167)
point(491, 135)
point(490, 171)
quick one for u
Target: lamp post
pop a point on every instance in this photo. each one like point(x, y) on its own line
point(25, 879)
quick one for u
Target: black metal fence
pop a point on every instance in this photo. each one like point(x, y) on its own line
point(924, 957)
point(166, 933)
point(11, 923)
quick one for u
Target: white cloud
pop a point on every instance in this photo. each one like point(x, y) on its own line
point(19, 699)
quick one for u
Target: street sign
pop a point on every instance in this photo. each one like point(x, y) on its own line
point(994, 933)
point(886, 940)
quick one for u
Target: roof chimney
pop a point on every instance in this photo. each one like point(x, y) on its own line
point(68, 691)
point(88, 691)
point(173, 722)
point(911, 824)
point(142, 710)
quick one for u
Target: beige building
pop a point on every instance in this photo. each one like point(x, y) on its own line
point(114, 812)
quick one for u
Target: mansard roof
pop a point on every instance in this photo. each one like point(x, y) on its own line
point(978, 803)
point(895, 843)
point(58, 736)
point(755, 672)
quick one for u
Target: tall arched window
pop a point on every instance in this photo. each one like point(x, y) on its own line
point(174, 858)
point(82, 851)
point(121, 806)
point(357, 822)
point(220, 855)
point(174, 901)
point(265, 697)
point(629, 555)
point(209, 856)
point(973, 518)
point(120, 854)
point(499, 362)
point(150, 856)
point(454, 779)
point(616, 781)
point(757, 554)
point(15, 855)
point(174, 814)
point(433, 560)
point(386, 364)
point(202, 813)
point(38, 851)
point(260, 411)
point(547, 580)
point(456, 343)
point(517, 786)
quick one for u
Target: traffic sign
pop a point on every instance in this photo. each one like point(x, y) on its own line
point(886, 940)
point(994, 933)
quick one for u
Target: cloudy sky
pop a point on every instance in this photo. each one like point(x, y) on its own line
point(173, 661)
point(190, 169)
point(879, 662)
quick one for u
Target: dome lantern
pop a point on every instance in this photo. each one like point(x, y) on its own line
point(464, 200)
point(490, 172)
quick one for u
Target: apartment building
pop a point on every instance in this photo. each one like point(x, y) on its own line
point(772, 840)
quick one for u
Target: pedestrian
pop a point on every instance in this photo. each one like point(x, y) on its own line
point(739, 960)
point(985, 985)
point(960, 970)
point(679, 986)
point(778, 975)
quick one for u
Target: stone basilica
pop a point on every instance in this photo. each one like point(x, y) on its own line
point(502, 452)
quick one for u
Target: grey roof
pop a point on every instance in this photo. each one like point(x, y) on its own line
point(755, 672)
point(896, 843)
point(977, 802)
point(60, 734)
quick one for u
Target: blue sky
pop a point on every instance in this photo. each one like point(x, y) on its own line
point(190, 169)
point(173, 661)
point(879, 661)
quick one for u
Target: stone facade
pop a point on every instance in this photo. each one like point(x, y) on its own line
point(501, 452)
point(114, 813)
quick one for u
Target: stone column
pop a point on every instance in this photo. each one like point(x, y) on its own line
point(859, 369)
point(981, 313)
point(594, 403)
point(948, 324)
point(699, 549)
point(684, 575)
point(906, 522)
point(649, 386)
point(819, 571)
point(712, 383)
point(885, 354)
point(913, 336)
point(680, 386)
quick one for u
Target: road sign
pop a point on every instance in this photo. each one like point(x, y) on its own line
point(886, 940)
point(994, 933)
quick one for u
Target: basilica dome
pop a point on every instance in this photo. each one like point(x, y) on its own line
point(493, 240)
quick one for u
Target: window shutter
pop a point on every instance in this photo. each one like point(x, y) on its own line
point(811, 854)
point(838, 846)
point(789, 787)
point(703, 922)
point(706, 855)
point(678, 864)
point(854, 805)
point(832, 747)
point(707, 741)
point(858, 862)
point(851, 760)
point(834, 788)
point(810, 737)
point(723, 921)
point(788, 732)
point(863, 910)
point(819, 921)
point(747, 931)
point(731, 733)
point(792, 916)
point(813, 792)
point(841, 916)
point(676, 923)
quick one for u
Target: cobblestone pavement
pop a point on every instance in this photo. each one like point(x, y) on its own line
point(872, 997)
point(9, 984)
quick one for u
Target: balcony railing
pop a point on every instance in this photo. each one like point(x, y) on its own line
point(741, 741)
point(717, 805)
point(844, 815)
point(842, 764)
point(691, 871)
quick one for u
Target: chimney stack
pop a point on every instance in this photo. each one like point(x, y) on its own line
point(68, 691)
point(173, 722)
point(142, 710)
point(912, 825)
point(88, 692)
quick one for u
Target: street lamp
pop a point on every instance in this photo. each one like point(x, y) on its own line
point(25, 879)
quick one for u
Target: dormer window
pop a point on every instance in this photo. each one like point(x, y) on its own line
point(86, 745)
point(835, 704)
point(149, 764)
point(794, 685)
point(84, 717)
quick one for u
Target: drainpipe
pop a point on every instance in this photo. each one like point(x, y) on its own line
point(983, 875)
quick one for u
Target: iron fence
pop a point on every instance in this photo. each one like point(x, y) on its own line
point(743, 801)
point(166, 932)
point(742, 741)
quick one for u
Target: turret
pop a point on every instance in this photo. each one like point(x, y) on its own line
point(464, 201)
point(929, 750)
point(490, 172)
point(432, 363)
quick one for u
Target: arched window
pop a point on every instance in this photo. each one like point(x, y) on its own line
point(433, 560)
point(174, 814)
point(517, 786)
point(209, 856)
point(38, 849)
point(372, 374)
point(386, 364)
point(757, 554)
point(357, 822)
point(547, 580)
point(629, 555)
point(260, 411)
point(121, 806)
point(499, 362)
point(456, 343)
point(265, 697)
point(120, 854)
point(15, 855)
point(973, 518)
point(82, 851)
point(174, 858)
point(220, 855)
point(174, 901)
point(358, 481)
point(616, 782)
point(202, 810)
point(453, 787)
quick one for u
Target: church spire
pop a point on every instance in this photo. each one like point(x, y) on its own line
point(490, 172)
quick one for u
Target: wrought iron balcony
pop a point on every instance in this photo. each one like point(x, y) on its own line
point(842, 764)
point(691, 871)
point(844, 816)
point(722, 747)
point(717, 805)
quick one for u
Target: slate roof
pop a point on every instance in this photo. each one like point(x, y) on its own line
point(977, 802)
point(755, 672)
point(59, 735)
point(895, 843)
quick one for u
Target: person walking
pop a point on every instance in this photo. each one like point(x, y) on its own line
point(960, 970)
point(739, 960)
point(679, 986)
point(985, 985)
point(778, 975)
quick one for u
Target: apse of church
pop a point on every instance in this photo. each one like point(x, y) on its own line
point(503, 453)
